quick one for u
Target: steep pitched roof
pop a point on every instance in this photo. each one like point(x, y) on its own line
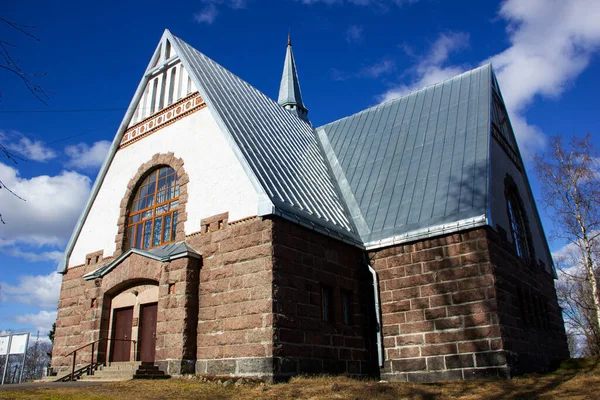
point(417, 165)
point(278, 148)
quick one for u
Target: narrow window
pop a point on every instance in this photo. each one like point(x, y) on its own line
point(522, 305)
point(171, 86)
point(153, 99)
point(189, 85)
point(326, 306)
point(517, 227)
point(179, 82)
point(168, 51)
point(162, 94)
point(347, 307)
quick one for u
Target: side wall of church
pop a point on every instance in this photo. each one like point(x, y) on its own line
point(217, 181)
point(531, 320)
point(451, 311)
point(501, 167)
point(307, 263)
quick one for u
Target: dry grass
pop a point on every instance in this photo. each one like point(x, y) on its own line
point(576, 379)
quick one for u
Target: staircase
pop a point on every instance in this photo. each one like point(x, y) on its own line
point(147, 370)
point(116, 371)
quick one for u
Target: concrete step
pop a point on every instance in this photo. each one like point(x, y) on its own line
point(123, 366)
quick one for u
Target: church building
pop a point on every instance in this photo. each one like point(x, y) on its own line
point(226, 235)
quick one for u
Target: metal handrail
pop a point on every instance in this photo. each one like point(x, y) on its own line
point(93, 344)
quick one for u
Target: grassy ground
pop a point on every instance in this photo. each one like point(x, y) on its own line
point(576, 379)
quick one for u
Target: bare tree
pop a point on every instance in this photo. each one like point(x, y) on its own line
point(571, 191)
point(11, 65)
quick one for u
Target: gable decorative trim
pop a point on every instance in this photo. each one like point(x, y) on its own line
point(167, 116)
point(183, 179)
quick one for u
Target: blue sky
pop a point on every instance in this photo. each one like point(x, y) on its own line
point(350, 54)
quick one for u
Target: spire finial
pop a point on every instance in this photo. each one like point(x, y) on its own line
point(289, 36)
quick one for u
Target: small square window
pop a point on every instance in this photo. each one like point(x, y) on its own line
point(171, 288)
point(326, 306)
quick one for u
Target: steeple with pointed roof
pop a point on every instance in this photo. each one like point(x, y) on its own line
point(290, 96)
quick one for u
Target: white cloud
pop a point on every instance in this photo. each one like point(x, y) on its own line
point(380, 4)
point(52, 206)
point(430, 68)
point(41, 321)
point(370, 71)
point(211, 10)
point(41, 291)
point(378, 69)
point(207, 15)
point(354, 34)
point(35, 150)
point(33, 256)
point(551, 43)
point(83, 156)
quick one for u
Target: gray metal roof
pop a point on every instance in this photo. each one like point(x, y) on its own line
point(416, 163)
point(164, 253)
point(280, 149)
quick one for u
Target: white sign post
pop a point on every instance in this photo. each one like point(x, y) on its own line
point(12, 345)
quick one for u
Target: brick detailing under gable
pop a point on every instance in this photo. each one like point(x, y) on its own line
point(163, 118)
point(235, 319)
point(183, 179)
point(304, 262)
point(439, 309)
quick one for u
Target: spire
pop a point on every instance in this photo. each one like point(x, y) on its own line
point(290, 96)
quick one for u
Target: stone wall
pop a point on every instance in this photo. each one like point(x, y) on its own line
point(448, 309)
point(439, 309)
point(235, 319)
point(304, 262)
point(78, 320)
point(532, 324)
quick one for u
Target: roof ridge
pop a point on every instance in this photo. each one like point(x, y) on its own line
point(387, 102)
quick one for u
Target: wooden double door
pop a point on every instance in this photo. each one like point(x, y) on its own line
point(122, 333)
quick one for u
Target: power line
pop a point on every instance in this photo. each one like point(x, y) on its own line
point(62, 111)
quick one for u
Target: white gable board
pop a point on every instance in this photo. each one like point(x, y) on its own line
point(217, 181)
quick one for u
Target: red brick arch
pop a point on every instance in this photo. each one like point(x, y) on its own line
point(157, 160)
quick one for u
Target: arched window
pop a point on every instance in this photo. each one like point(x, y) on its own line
point(518, 226)
point(152, 217)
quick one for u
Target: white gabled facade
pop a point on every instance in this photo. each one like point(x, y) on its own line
point(217, 181)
